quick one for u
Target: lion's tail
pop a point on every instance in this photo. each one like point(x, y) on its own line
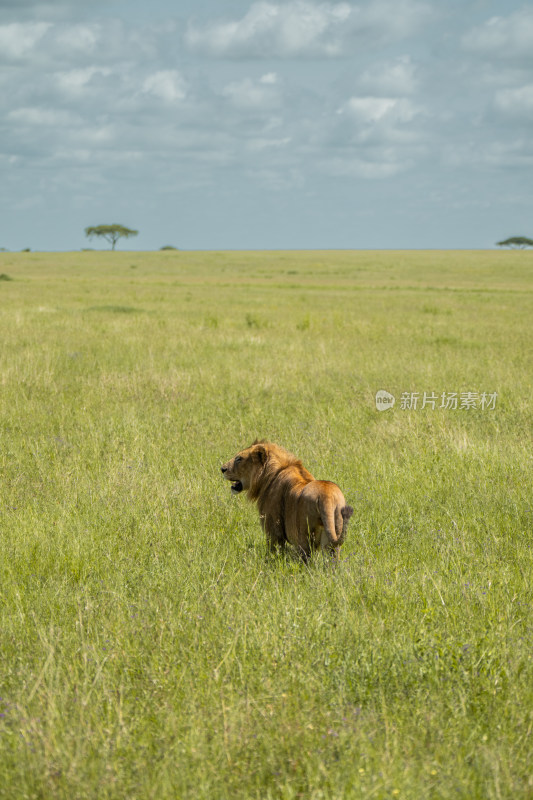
point(346, 513)
point(335, 521)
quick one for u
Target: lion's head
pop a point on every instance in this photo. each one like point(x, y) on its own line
point(244, 469)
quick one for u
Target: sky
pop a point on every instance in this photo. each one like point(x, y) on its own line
point(230, 124)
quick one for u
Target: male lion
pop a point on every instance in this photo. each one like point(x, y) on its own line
point(293, 506)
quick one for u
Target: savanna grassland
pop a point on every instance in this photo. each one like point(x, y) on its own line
point(149, 648)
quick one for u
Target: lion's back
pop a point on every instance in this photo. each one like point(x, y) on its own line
point(323, 490)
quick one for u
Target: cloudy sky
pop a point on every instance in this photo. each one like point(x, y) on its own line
point(216, 124)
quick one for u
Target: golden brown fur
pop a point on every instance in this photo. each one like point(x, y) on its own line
point(293, 506)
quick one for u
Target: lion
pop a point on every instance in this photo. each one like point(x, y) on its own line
point(293, 506)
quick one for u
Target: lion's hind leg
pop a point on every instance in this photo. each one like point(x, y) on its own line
point(329, 549)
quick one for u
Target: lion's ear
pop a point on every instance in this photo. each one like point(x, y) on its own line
point(260, 453)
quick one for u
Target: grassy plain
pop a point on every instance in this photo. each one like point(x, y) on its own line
point(149, 649)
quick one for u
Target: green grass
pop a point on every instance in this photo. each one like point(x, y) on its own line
point(149, 647)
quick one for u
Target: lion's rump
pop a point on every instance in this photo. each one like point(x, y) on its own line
point(296, 508)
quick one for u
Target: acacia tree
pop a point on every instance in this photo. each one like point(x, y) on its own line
point(111, 233)
point(519, 242)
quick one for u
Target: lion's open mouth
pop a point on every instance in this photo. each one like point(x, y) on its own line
point(236, 487)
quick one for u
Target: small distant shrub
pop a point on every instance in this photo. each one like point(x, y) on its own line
point(117, 309)
point(4, 277)
point(304, 324)
point(211, 321)
point(446, 340)
point(26, 250)
point(168, 247)
point(428, 309)
point(252, 321)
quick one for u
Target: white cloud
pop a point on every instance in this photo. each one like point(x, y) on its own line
point(248, 93)
point(394, 19)
point(74, 81)
point(503, 37)
point(43, 8)
point(386, 166)
point(97, 135)
point(70, 44)
point(496, 154)
point(37, 117)
point(374, 138)
point(276, 179)
point(516, 102)
point(167, 85)
point(269, 79)
point(512, 153)
point(81, 39)
point(389, 78)
point(370, 110)
point(264, 144)
point(295, 28)
point(305, 28)
point(17, 40)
